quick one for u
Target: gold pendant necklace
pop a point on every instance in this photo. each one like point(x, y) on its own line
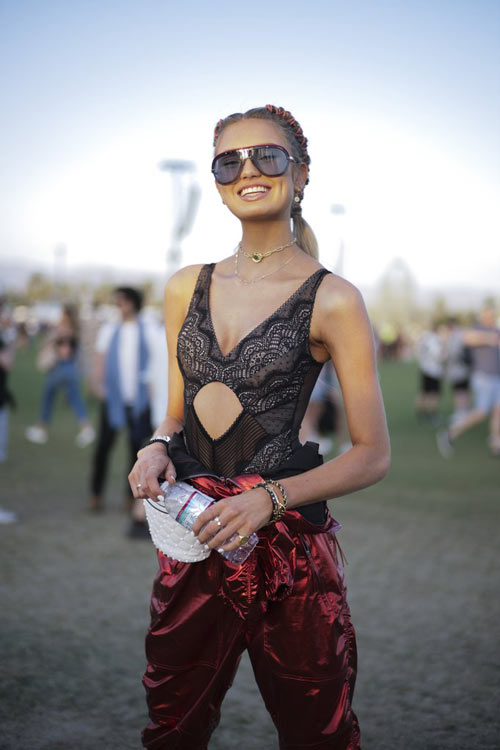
point(259, 278)
point(257, 256)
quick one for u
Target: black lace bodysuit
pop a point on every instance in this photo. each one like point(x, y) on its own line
point(271, 371)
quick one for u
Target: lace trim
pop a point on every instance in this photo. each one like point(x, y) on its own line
point(289, 300)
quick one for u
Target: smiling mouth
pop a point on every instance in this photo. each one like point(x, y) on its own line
point(253, 190)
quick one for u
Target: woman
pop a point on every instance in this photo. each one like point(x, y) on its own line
point(247, 338)
point(430, 351)
point(59, 359)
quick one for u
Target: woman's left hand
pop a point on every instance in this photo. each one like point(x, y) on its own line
point(240, 514)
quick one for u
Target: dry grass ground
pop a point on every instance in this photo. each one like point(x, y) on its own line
point(422, 574)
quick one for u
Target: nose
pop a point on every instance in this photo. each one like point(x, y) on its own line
point(249, 169)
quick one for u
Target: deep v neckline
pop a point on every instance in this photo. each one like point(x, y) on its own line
point(259, 325)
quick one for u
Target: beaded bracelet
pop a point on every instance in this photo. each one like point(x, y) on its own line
point(278, 508)
point(284, 496)
point(274, 500)
point(281, 503)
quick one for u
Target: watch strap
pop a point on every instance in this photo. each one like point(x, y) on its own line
point(163, 439)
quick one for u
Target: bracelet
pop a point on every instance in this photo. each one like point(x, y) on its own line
point(284, 496)
point(278, 508)
point(281, 505)
point(163, 439)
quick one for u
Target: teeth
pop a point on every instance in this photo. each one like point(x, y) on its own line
point(255, 189)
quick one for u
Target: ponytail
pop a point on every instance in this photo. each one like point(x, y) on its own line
point(306, 239)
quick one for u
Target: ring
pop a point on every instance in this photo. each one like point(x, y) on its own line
point(138, 486)
point(243, 540)
point(217, 521)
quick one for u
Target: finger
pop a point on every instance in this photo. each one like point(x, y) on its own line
point(139, 490)
point(170, 473)
point(239, 541)
point(217, 509)
point(135, 484)
point(210, 529)
point(223, 536)
point(151, 487)
point(131, 482)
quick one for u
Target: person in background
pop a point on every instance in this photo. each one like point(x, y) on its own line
point(123, 353)
point(484, 342)
point(430, 354)
point(326, 404)
point(59, 359)
point(7, 355)
point(458, 369)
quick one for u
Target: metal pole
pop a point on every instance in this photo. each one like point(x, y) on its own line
point(183, 209)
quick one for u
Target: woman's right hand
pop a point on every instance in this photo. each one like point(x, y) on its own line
point(153, 462)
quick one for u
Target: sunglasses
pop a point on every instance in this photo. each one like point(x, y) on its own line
point(271, 161)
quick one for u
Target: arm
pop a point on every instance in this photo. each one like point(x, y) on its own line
point(153, 460)
point(341, 331)
point(475, 337)
point(101, 346)
point(7, 355)
point(97, 375)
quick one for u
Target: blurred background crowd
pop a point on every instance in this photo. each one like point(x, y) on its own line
point(103, 355)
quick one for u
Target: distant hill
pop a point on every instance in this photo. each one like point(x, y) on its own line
point(15, 272)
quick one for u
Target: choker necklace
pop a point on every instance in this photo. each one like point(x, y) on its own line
point(259, 278)
point(256, 256)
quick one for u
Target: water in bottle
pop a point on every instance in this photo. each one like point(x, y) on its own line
point(184, 503)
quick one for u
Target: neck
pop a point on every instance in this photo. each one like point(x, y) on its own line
point(265, 235)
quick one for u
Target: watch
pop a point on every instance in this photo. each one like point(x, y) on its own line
point(163, 439)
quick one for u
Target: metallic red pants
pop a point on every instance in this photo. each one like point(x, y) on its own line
point(287, 605)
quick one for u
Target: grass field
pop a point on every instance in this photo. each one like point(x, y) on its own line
point(422, 574)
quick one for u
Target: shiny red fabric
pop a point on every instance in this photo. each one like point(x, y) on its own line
point(286, 605)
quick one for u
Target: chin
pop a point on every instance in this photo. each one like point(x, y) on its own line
point(253, 212)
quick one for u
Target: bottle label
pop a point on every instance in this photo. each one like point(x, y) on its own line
point(191, 509)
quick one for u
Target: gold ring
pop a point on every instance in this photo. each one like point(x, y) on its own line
point(217, 521)
point(243, 540)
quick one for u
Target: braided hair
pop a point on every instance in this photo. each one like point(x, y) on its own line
point(297, 144)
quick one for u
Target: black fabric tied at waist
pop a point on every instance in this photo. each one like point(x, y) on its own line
point(303, 459)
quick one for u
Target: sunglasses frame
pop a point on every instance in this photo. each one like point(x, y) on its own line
point(248, 153)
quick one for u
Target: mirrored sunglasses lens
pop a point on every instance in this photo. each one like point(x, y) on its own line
point(226, 168)
point(271, 161)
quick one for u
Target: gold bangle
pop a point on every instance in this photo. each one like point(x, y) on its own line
point(279, 506)
point(281, 503)
point(277, 511)
point(284, 496)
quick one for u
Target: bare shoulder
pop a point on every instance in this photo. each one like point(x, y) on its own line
point(339, 315)
point(340, 322)
point(338, 297)
point(181, 284)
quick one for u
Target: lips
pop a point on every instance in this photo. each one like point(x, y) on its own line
point(253, 192)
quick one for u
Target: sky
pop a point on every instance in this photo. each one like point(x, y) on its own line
point(399, 100)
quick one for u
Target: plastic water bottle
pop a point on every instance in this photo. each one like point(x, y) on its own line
point(184, 503)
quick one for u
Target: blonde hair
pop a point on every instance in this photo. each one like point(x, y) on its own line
point(297, 143)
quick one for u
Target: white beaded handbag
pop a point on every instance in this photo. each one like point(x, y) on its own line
point(171, 537)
